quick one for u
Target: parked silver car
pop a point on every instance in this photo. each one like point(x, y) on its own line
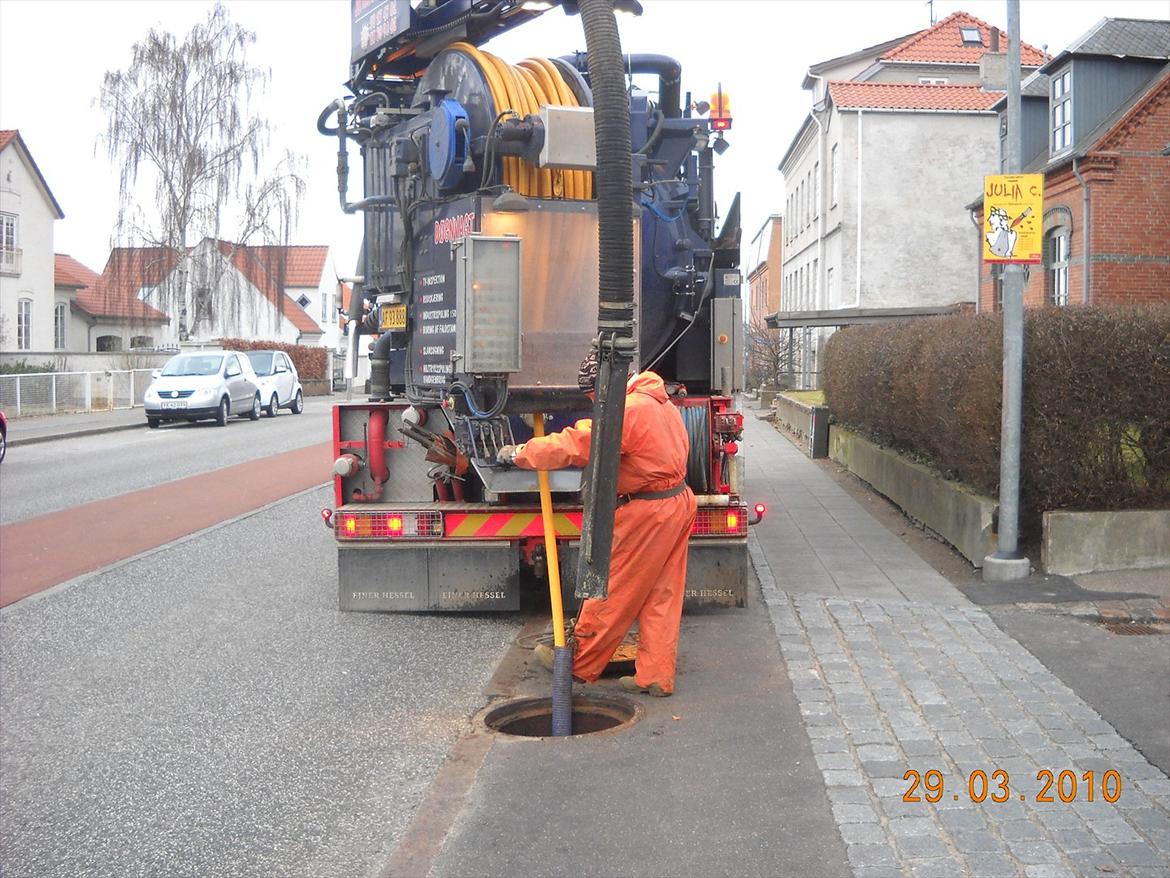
point(209, 384)
point(280, 386)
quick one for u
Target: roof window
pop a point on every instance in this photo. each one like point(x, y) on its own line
point(970, 36)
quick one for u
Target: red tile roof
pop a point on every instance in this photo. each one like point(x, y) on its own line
point(906, 96)
point(6, 137)
point(304, 263)
point(942, 44)
point(68, 272)
point(262, 266)
point(114, 293)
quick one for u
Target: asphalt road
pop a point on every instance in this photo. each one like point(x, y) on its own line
point(51, 476)
point(206, 710)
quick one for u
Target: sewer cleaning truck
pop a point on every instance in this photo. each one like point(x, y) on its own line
point(477, 295)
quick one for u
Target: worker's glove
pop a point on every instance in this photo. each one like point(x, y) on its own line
point(507, 454)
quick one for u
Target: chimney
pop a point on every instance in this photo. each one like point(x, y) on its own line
point(993, 66)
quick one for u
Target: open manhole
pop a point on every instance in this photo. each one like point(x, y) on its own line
point(532, 717)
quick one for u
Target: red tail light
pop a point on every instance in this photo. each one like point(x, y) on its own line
point(422, 525)
point(720, 521)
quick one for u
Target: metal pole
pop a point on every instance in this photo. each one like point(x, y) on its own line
point(1007, 563)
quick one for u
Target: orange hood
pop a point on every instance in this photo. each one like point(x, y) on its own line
point(648, 383)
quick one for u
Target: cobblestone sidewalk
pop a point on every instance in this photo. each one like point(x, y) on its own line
point(890, 686)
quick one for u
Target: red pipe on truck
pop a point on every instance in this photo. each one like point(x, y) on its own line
point(375, 456)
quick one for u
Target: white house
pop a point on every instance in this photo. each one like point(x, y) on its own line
point(217, 290)
point(105, 315)
point(898, 136)
point(29, 320)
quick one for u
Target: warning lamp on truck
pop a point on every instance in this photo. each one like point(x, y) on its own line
point(720, 111)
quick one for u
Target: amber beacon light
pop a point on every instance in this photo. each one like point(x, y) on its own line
point(720, 110)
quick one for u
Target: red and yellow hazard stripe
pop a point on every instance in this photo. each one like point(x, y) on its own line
point(508, 525)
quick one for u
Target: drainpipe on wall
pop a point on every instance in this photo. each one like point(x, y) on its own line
point(978, 261)
point(857, 292)
point(1086, 224)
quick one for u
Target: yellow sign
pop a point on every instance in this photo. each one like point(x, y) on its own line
point(1013, 218)
point(393, 317)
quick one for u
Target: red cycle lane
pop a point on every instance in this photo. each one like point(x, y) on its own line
point(41, 552)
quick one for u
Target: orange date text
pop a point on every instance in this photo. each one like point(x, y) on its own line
point(979, 786)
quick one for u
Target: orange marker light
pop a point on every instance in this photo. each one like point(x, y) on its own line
point(350, 525)
point(732, 521)
point(720, 110)
point(394, 525)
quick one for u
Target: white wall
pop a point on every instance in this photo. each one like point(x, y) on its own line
point(919, 171)
point(20, 194)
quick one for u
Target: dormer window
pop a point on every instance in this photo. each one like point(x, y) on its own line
point(1061, 112)
point(970, 36)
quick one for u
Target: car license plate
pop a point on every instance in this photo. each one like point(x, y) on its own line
point(174, 403)
point(394, 317)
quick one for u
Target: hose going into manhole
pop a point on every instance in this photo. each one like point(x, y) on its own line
point(562, 681)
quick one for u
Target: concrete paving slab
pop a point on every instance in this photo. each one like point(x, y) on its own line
point(719, 779)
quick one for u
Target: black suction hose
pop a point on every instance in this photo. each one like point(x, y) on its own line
point(615, 311)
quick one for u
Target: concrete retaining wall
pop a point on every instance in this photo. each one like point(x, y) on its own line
point(809, 423)
point(1088, 542)
point(960, 517)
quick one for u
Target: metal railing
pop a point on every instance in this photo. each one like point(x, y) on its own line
point(50, 393)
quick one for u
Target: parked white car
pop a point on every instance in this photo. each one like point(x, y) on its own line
point(280, 386)
point(208, 384)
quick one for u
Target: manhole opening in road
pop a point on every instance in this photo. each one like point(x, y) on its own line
point(532, 717)
point(1132, 628)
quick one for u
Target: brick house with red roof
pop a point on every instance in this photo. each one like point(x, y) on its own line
point(28, 211)
point(1096, 123)
point(898, 134)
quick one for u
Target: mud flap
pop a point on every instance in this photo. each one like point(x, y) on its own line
point(420, 577)
point(717, 575)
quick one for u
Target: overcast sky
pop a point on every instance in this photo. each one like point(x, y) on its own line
point(53, 54)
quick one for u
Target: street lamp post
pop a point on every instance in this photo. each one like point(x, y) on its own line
point(1007, 563)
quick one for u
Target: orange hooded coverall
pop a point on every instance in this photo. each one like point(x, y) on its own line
point(648, 564)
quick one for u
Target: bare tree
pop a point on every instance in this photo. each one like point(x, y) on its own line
point(774, 355)
point(181, 122)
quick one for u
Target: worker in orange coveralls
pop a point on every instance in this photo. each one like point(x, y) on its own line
point(652, 524)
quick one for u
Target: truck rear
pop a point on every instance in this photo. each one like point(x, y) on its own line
point(476, 297)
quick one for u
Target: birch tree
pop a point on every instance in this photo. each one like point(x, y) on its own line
point(191, 151)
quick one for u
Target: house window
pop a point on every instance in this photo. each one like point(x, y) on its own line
point(1062, 111)
point(829, 286)
point(325, 309)
point(142, 341)
point(109, 343)
point(24, 325)
point(1056, 260)
point(59, 318)
point(816, 283)
point(9, 252)
point(834, 175)
point(970, 36)
point(932, 80)
point(997, 283)
point(304, 301)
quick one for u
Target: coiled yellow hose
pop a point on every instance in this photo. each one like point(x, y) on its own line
point(524, 89)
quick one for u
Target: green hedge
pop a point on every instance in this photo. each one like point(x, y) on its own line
point(1096, 419)
point(310, 362)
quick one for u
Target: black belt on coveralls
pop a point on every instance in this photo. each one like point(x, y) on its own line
point(623, 499)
